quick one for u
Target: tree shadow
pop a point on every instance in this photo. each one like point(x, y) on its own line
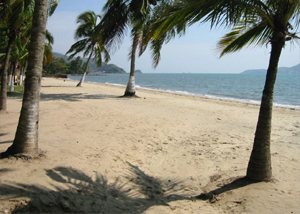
point(234, 183)
point(14, 94)
point(7, 141)
point(4, 170)
point(76, 192)
point(58, 86)
point(76, 97)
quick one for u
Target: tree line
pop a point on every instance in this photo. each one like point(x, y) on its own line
point(153, 23)
point(60, 66)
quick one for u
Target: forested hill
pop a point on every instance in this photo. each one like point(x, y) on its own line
point(105, 68)
point(281, 70)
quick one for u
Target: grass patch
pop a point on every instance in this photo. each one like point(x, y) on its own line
point(18, 91)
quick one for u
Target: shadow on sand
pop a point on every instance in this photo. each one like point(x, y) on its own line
point(230, 184)
point(76, 192)
point(76, 97)
point(3, 142)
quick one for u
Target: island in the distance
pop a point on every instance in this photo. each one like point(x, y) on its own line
point(281, 70)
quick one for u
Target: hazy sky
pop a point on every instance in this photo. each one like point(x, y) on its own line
point(195, 52)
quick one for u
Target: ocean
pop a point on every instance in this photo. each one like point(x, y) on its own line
point(239, 87)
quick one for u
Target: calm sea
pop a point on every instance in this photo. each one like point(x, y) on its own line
point(241, 87)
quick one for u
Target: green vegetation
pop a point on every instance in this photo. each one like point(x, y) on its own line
point(18, 91)
point(16, 24)
point(61, 65)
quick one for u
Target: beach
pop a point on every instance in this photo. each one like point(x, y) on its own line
point(103, 153)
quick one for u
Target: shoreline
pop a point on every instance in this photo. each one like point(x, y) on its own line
point(225, 99)
point(152, 154)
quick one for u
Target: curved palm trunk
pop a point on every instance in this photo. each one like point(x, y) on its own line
point(130, 89)
point(26, 138)
point(259, 166)
point(3, 94)
point(85, 70)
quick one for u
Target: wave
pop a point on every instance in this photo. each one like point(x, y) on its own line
point(255, 102)
point(233, 88)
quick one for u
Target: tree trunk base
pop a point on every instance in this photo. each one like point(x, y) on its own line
point(129, 94)
point(11, 152)
point(256, 175)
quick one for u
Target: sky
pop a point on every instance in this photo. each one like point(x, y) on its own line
point(195, 52)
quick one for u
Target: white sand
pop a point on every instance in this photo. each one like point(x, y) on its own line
point(202, 143)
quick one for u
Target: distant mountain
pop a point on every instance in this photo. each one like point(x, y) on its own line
point(281, 70)
point(105, 68)
point(59, 55)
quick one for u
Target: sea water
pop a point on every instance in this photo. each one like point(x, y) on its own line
point(240, 87)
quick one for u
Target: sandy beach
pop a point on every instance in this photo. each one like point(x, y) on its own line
point(152, 154)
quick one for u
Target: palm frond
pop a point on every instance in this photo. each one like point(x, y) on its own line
point(103, 51)
point(114, 23)
point(49, 38)
point(156, 46)
point(88, 49)
point(52, 6)
point(241, 36)
point(76, 48)
point(106, 55)
point(98, 56)
point(48, 55)
point(135, 37)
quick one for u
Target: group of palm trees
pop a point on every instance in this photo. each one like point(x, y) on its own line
point(15, 30)
point(155, 22)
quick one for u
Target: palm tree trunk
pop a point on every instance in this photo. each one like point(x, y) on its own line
point(26, 138)
point(130, 89)
point(3, 94)
point(85, 70)
point(13, 74)
point(259, 166)
point(21, 76)
point(10, 78)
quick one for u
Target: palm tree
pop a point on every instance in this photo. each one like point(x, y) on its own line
point(255, 22)
point(26, 138)
point(118, 16)
point(90, 42)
